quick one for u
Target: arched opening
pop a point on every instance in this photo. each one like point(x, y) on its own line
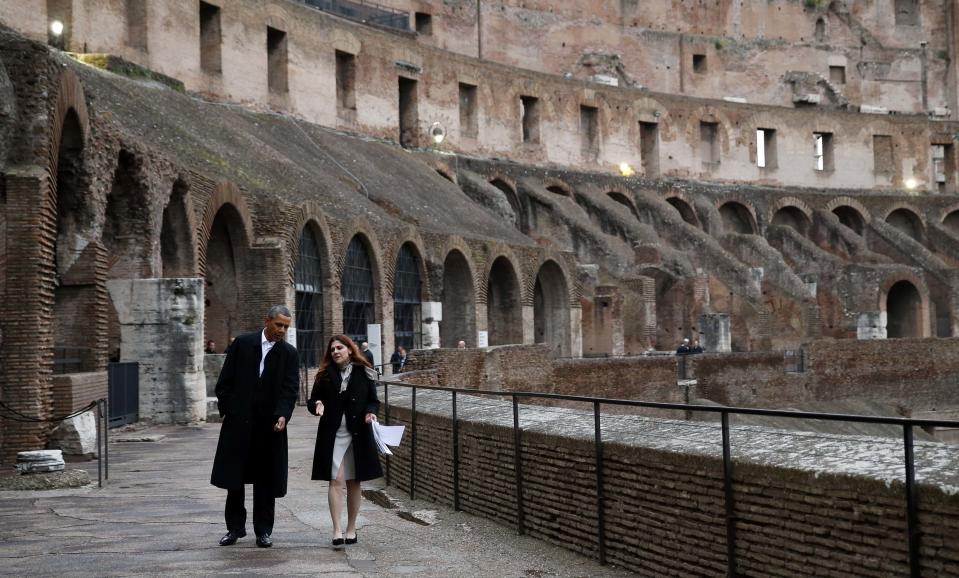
point(685, 211)
point(737, 218)
point(358, 291)
point(820, 30)
point(504, 311)
point(75, 292)
point(903, 311)
point(551, 309)
point(407, 300)
point(951, 222)
point(446, 176)
point(513, 199)
point(558, 190)
point(794, 218)
point(850, 218)
point(127, 222)
point(459, 302)
point(308, 286)
point(225, 259)
point(176, 238)
point(625, 201)
point(907, 222)
point(600, 218)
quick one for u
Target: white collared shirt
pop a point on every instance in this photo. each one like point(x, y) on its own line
point(265, 347)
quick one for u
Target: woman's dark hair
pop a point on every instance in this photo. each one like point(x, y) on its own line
point(356, 356)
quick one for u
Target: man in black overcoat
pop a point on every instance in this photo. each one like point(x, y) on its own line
point(255, 394)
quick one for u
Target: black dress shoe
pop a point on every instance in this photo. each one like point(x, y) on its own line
point(231, 537)
point(353, 539)
point(264, 541)
point(337, 541)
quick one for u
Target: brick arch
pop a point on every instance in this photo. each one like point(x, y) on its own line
point(181, 182)
point(360, 226)
point(497, 251)
point(846, 201)
point(920, 286)
point(684, 198)
point(392, 252)
point(459, 313)
point(553, 182)
point(787, 202)
point(444, 170)
point(750, 209)
point(553, 255)
point(628, 197)
point(449, 244)
point(308, 213)
point(69, 97)
point(907, 206)
point(225, 193)
point(504, 309)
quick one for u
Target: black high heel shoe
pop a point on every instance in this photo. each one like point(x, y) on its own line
point(337, 541)
point(353, 539)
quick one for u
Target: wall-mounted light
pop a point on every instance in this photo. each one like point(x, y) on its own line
point(56, 28)
point(911, 183)
point(626, 170)
point(437, 133)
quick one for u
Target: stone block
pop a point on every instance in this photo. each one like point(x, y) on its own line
point(76, 436)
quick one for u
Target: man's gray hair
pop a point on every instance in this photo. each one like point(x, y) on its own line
point(279, 310)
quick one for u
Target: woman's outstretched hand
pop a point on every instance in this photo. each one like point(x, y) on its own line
point(319, 409)
point(370, 417)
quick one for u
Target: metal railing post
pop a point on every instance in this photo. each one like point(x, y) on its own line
point(99, 451)
point(600, 492)
point(518, 469)
point(730, 504)
point(456, 459)
point(413, 447)
point(106, 439)
point(386, 421)
point(912, 505)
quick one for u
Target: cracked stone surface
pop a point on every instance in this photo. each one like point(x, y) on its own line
point(159, 516)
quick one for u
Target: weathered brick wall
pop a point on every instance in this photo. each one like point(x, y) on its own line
point(71, 391)
point(664, 510)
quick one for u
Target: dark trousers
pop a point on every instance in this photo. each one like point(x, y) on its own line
point(263, 509)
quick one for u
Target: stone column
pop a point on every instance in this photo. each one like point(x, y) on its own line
point(716, 334)
point(575, 332)
point(529, 324)
point(432, 314)
point(161, 328)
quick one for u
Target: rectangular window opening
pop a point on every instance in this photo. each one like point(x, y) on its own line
point(409, 117)
point(766, 154)
point(423, 23)
point(709, 144)
point(137, 24)
point(345, 81)
point(277, 61)
point(944, 167)
point(907, 12)
point(210, 38)
point(530, 114)
point(882, 158)
point(837, 75)
point(468, 110)
point(649, 148)
point(589, 130)
point(699, 63)
point(823, 151)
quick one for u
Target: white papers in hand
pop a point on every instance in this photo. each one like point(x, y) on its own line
point(387, 435)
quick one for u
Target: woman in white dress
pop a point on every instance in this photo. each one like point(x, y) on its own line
point(344, 396)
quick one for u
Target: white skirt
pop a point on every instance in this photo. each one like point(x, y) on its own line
point(343, 453)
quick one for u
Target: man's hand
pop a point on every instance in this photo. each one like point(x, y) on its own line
point(370, 417)
point(319, 409)
point(280, 424)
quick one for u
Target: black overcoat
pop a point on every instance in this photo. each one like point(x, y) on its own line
point(358, 400)
point(249, 411)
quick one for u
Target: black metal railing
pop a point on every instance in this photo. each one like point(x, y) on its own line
point(363, 11)
point(911, 490)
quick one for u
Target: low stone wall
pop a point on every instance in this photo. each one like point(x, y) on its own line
point(72, 391)
point(805, 505)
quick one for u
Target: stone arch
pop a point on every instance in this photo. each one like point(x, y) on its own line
point(847, 201)
point(685, 209)
point(794, 215)
point(459, 299)
point(412, 238)
point(504, 300)
point(907, 220)
point(310, 213)
point(408, 286)
point(70, 98)
point(905, 302)
point(225, 193)
point(508, 187)
point(738, 218)
point(551, 319)
point(312, 282)
point(177, 243)
point(625, 200)
point(819, 32)
point(851, 218)
point(226, 251)
point(951, 221)
point(558, 187)
point(358, 303)
point(786, 202)
point(128, 220)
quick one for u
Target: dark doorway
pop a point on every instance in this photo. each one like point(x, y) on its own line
point(358, 294)
point(459, 302)
point(903, 311)
point(407, 306)
point(409, 116)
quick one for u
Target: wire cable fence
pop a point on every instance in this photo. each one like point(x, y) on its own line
point(907, 426)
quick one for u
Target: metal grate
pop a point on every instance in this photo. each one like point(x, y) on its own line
point(407, 288)
point(308, 281)
point(357, 291)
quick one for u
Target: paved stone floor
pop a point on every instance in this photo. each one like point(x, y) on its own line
point(159, 516)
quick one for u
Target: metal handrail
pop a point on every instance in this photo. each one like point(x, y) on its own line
point(912, 495)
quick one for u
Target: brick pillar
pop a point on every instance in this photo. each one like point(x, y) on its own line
point(26, 353)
